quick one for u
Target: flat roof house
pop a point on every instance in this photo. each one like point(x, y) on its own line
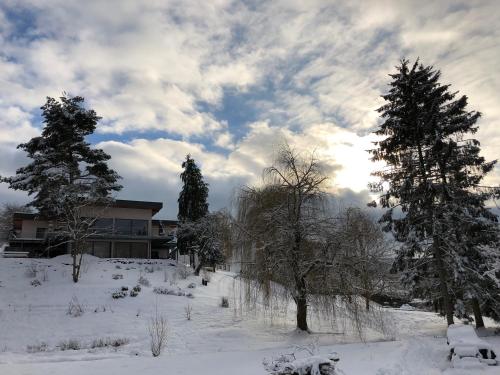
point(125, 229)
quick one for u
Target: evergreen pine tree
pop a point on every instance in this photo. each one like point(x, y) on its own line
point(66, 176)
point(192, 201)
point(435, 204)
point(65, 168)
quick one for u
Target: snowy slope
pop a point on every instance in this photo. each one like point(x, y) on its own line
point(216, 340)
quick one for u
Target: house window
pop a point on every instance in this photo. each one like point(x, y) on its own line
point(140, 227)
point(129, 227)
point(103, 226)
point(131, 250)
point(41, 232)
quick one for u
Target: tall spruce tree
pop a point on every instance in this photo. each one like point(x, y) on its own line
point(66, 176)
point(435, 204)
point(192, 201)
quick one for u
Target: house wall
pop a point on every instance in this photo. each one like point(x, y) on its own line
point(119, 213)
point(29, 227)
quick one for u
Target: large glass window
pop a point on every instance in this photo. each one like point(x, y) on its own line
point(103, 226)
point(131, 250)
point(140, 227)
point(129, 227)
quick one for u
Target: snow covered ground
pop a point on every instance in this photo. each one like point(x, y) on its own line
point(34, 324)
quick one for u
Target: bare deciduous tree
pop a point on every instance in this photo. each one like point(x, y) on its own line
point(284, 227)
point(366, 257)
point(75, 225)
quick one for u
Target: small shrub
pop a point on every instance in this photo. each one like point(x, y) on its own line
point(133, 293)
point(224, 302)
point(45, 274)
point(37, 348)
point(206, 275)
point(31, 270)
point(117, 276)
point(192, 286)
point(165, 274)
point(183, 271)
point(137, 288)
point(100, 308)
point(144, 281)
point(35, 283)
point(109, 342)
point(124, 288)
point(118, 267)
point(189, 295)
point(187, 311)
point(157, 329)
point(119, 294)
point(75, 308)
point(71, 344)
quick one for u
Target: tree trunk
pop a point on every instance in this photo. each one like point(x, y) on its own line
point(478, 316)
point(302, 313)
point(76, 265)
point(198, 269)
point(443, 285)
point(367, 303)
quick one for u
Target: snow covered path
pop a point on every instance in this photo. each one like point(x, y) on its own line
point(215, 341)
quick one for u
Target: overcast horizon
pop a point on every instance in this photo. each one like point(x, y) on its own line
point(227, 81)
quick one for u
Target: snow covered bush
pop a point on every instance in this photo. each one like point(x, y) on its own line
point(36, 283)
point(109, 342)
point(75, 308)
point(133, 293)
point(183, 272)
point(124, 288)
point(224, 302)
point(117, 276)
point(192, 285)
point(171, 292)
point(148, 269)
point(119, 294)
point(157, 329)
point(160, 290)
point(137, 288)
point(71, 344)
point(144, 281)
point(37, 348)
point(288, 364)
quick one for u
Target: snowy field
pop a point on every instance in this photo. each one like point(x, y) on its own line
point(35, 326)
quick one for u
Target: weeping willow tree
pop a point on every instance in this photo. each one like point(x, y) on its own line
point(289, 238)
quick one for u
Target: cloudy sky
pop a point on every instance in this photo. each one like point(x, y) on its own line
point(226, 81)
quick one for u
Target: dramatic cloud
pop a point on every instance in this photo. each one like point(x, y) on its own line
point(228, 81)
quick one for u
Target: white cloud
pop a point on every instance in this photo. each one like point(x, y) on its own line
point(314, 71)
